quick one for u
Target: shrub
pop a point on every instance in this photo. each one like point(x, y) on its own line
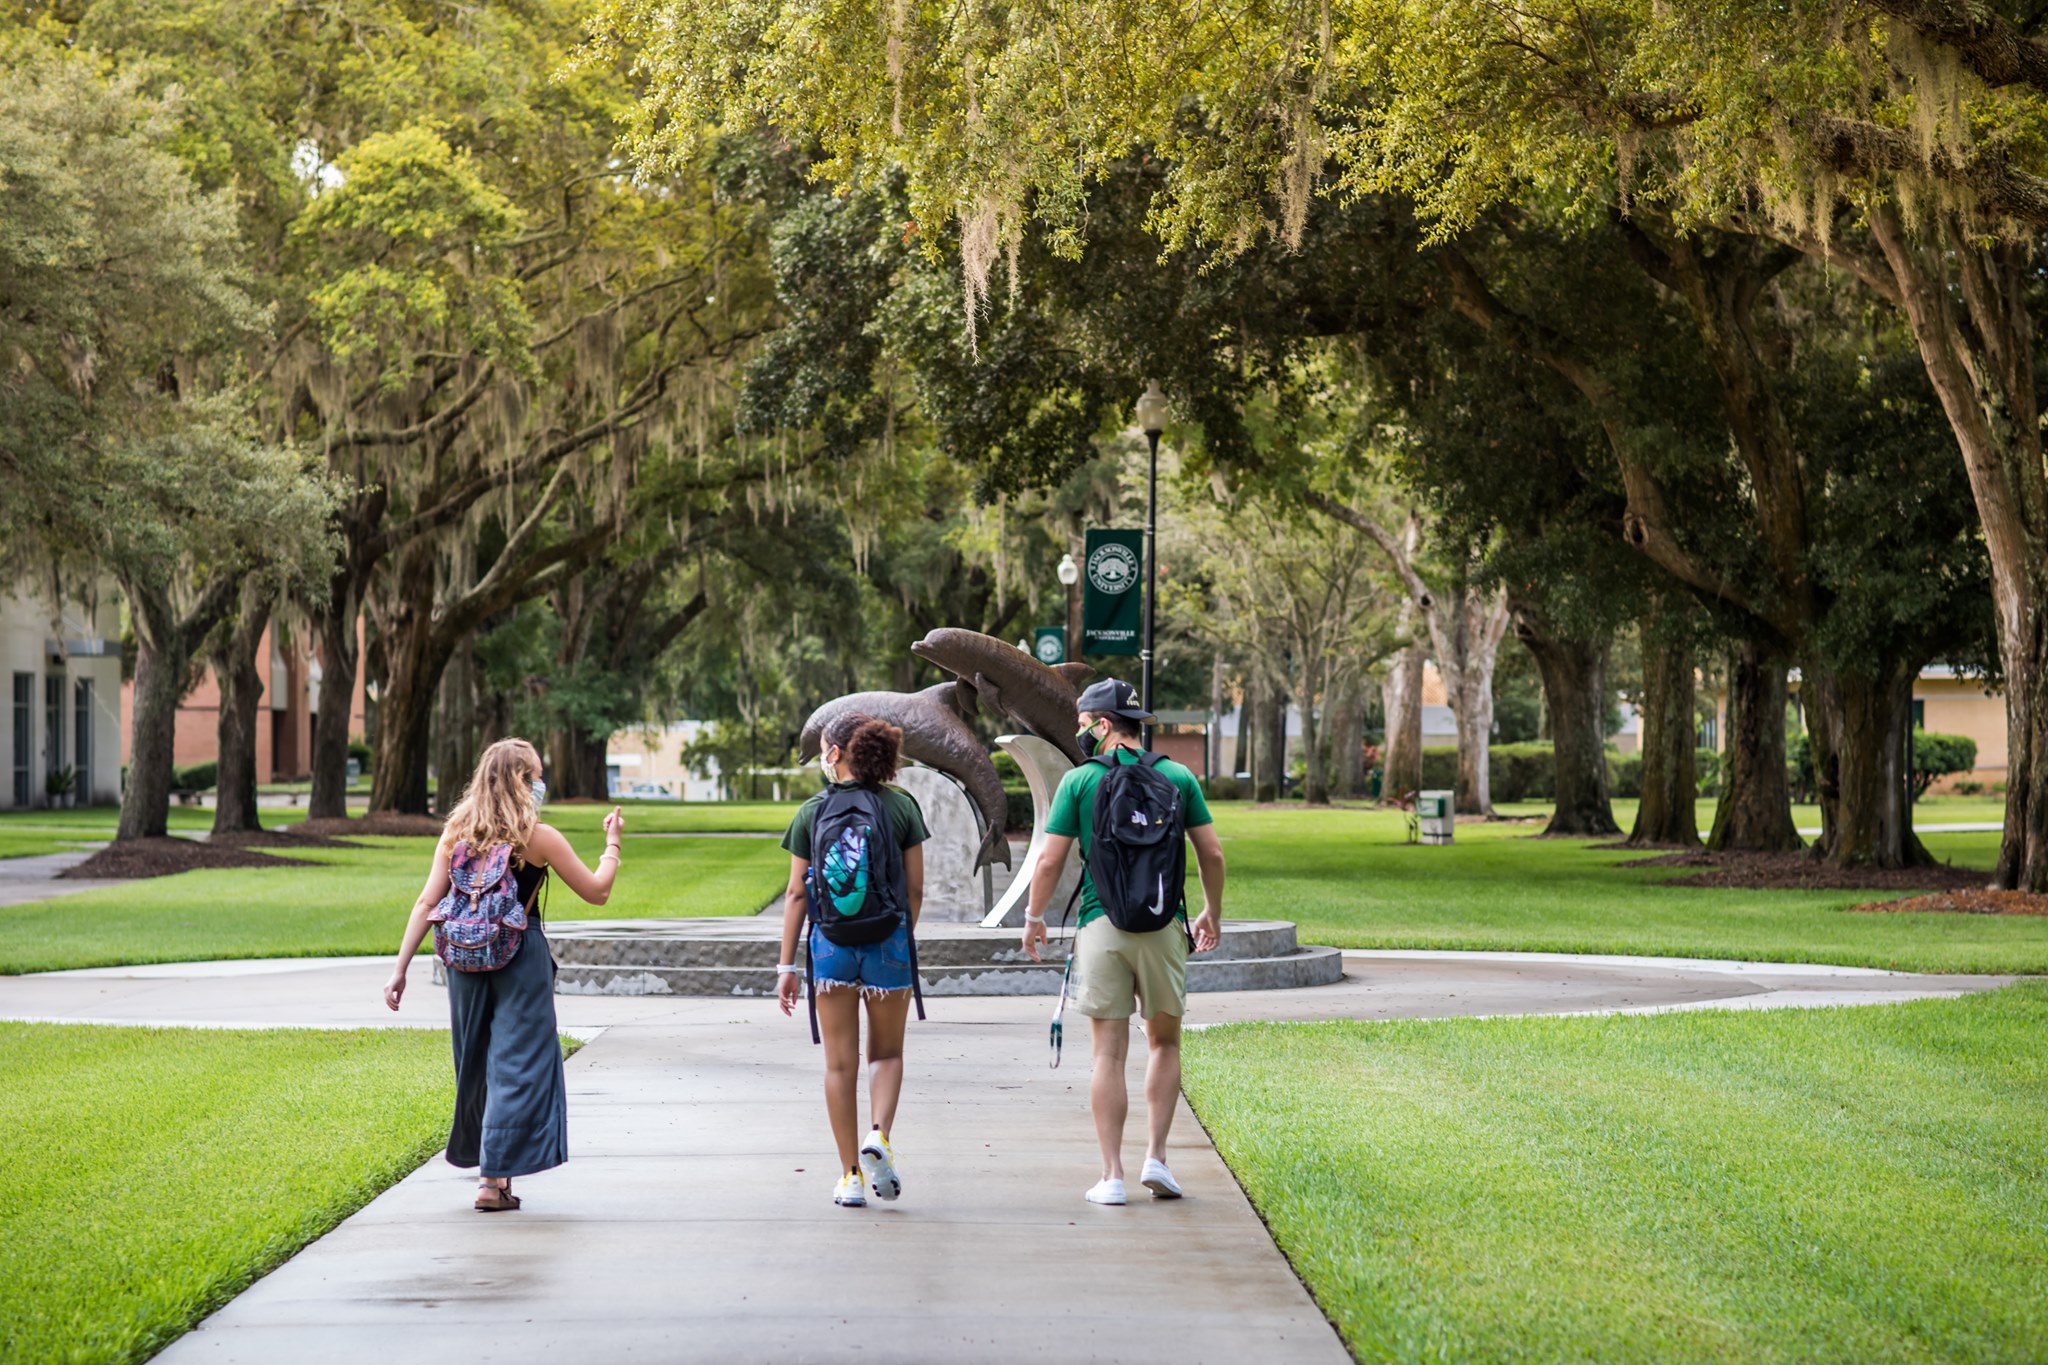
point(1706, 768)
point(1524, 772)
point(359, 750)
point(1624, 775)
point(1936, 755)
point(1017, 813)
point(1969, 788)
point(196, 777)
point(1223, 788)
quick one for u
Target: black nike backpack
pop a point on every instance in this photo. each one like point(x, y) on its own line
point(856, 890)
point(1138, 856)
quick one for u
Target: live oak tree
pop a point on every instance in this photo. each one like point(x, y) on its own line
point(127, 450)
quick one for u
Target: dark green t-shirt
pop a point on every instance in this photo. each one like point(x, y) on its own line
point(904, 818)
point(1073, 813)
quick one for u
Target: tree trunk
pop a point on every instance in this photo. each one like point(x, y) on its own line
point(455, 742)
point(1755, 811)
point(1472, 708)
point(1315, 774)
point(1212, 736)
point(159, 684)
point(239, 672)
point(1270, 758)
point(1347, 743)
point(579, 764)
point(1981, 364)
point(1401, 696)
point(414, 654)
point(1575, 701)
point(335, 627)
point(1668, 813)
point(1861, 726)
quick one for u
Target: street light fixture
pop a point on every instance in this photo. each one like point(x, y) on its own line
point(1152, 412)
point(1070, 578)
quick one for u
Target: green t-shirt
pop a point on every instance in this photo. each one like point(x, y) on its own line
point(1073, 813)
point(904, 818)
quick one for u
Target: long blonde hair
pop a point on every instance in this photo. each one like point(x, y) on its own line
point(497, 807)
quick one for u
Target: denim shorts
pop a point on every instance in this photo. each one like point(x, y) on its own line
point(883, 966)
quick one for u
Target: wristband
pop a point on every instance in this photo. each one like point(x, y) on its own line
point(787, 969)
point(1030, 918)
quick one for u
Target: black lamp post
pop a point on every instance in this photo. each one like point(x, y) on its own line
point(1151, 421)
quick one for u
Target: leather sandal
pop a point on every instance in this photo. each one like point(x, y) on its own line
point(496, 1198)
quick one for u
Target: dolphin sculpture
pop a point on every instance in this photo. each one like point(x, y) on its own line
point(1039, 698)
point(935, 736)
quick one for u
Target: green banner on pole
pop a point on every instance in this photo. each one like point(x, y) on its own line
point(1049, 645)
point(1112, 609)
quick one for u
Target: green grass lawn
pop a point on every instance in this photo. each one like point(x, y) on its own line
point(1930, 810)
point(30, 843)
point(1858, 1184)
point(97, 822)
point(676, 817)
point(354, 900)
point(1348, 878)
point(152, 1174)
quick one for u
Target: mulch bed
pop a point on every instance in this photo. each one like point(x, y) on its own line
point(1978, 902)
point(1804, 872)
point(384, 822)
point(134, 858)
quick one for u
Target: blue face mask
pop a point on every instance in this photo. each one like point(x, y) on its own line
point(540, 792)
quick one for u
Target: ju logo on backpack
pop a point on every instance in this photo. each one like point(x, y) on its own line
point(1137, 854)
point(857, 891)
point(479, 924)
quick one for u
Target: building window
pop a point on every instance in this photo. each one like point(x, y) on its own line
point(81, 740)
point(24, 735)
point(1919, 714)
point(53, 724)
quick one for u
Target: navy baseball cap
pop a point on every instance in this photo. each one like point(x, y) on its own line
point(1112, 697)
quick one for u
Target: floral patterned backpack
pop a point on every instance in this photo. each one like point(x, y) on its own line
point(479, 924)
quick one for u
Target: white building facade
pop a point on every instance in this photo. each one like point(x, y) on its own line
point(60, 681)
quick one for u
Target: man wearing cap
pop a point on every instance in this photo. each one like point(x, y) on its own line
point(1118, 971)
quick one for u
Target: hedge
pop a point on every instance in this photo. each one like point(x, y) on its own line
point(196, 777)
point(1935, 756)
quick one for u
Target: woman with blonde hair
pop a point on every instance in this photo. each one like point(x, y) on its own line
point(511, 1107)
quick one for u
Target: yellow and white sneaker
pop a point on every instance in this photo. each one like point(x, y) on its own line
point(878, 1164)
point(848, 1195)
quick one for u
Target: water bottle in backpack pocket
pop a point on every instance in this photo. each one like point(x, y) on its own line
point(480, 923)
point(1137, 855)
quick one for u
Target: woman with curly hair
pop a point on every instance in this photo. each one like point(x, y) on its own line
point(856, 875)
point(511, 1107)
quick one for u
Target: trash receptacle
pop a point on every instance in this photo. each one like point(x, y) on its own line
point(1436, 816)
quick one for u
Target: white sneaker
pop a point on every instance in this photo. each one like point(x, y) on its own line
point(848, 1195)
point(878, 1164)
point(1159, 1180)
point(1106, 1192)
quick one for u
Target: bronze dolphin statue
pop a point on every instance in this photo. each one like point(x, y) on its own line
point(935, 736)
point(1039, 698)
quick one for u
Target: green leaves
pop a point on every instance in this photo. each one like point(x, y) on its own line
point(416, 243)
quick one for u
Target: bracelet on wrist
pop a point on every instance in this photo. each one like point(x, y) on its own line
point(787, 969)
point(1030, 918)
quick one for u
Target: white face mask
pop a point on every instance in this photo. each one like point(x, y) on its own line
point(825, 766)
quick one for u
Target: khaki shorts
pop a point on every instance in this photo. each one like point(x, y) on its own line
point(1114, 970)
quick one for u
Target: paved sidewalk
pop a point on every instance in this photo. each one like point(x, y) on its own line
point(693, 1221)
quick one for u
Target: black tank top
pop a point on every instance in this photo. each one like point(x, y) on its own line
point(528, 877)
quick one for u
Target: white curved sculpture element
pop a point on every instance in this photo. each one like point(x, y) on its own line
point(1043, 767)
point(952, 885)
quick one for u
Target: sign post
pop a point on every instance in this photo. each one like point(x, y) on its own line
point(1112, 604)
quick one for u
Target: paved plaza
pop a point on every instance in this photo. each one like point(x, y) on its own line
point(694, 1223)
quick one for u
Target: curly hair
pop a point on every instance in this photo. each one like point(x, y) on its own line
point(871, 749)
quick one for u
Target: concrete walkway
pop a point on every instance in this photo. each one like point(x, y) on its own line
point(694, 1223)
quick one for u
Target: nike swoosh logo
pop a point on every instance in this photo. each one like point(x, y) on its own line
point(1158, 907)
